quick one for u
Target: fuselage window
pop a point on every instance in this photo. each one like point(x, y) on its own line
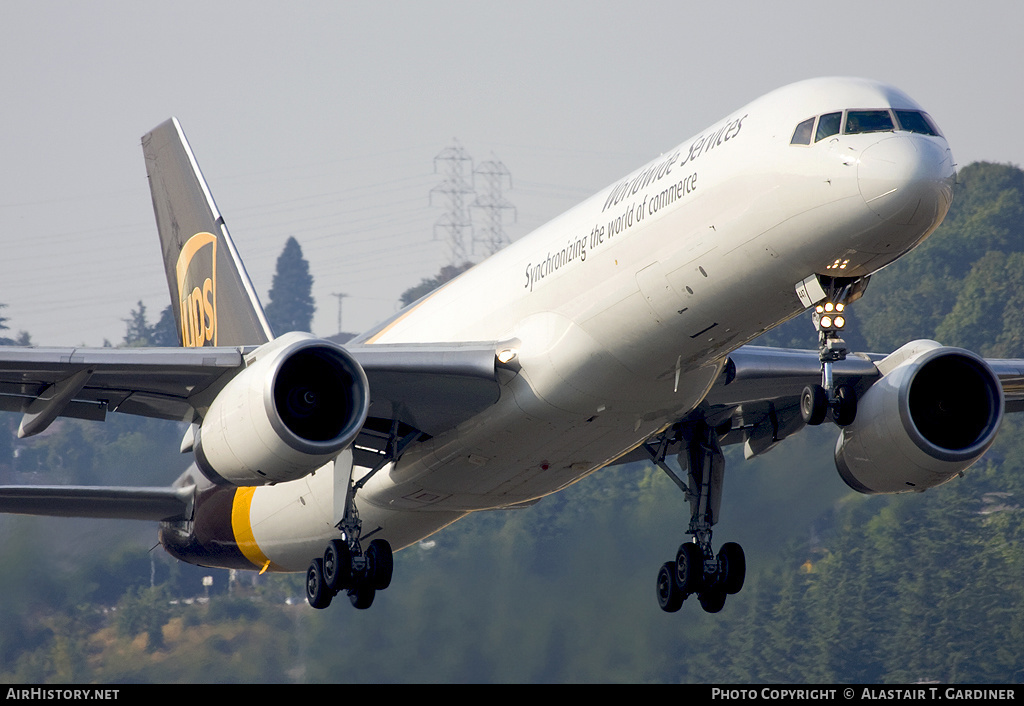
point(916, 121)
point(858, 121)
point(828, 125)
point(802, 134)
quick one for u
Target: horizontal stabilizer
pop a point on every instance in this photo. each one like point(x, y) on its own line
point(153, 504)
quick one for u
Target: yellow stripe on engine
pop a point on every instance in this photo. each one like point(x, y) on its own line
point(242, 527)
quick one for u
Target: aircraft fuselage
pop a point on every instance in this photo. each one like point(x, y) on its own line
point(622, 312)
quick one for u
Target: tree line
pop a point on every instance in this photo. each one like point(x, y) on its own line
point(840, 587)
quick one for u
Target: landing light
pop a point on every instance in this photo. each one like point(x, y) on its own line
point(508, 355)
point(829, 316)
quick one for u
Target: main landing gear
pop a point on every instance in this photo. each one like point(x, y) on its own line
point(345, 566)
point(696, 568)
point(828, 399)
point(360, 574)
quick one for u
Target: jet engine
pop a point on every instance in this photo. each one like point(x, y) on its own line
point(929, 418)
point(298, 402)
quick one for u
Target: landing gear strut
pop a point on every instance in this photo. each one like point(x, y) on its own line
point(697, 569)
point(819, 401)
point(345, 566)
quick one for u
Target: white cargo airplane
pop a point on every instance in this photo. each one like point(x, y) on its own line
point(614, 333)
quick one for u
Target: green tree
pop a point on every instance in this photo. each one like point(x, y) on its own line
point(144, 610)
point(138, 332)
point(911, 298)
point(429, 284)
point(291, 306)
point(165, 331)
point(988, 316)
point(23, 338)
point(840, 587)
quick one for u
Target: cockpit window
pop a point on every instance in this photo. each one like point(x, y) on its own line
point(858, 121)
point(828, 125)
point(863, 121)
point(802, 134)
point(916, 121)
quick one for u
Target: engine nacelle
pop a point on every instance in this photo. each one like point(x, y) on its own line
point(298, 402)
point(925, 421)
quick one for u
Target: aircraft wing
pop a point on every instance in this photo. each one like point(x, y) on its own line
point(759, 391)
point(430, 388)
point(757, 396)
point(416, 391)
point(152, 504)
point(44, 383)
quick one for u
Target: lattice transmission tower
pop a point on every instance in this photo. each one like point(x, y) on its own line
point(493, 205)
point(457, 186)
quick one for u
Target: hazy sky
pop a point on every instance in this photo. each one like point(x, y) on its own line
point(321, 119)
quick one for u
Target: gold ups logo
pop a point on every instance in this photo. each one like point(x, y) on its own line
point(197, 290)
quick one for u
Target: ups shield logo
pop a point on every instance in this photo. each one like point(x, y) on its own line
point(197, 290)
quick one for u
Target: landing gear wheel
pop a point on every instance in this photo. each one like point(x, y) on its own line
point(670, 597)
point(380, 564)
point(317, 593)
point(337, 565)
point(813, 405)
point(712, 600)
point(689, 568)
point(845, 409)
point(361, 597)
point(733, 567)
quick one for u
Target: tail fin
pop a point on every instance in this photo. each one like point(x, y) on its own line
point(212, 297)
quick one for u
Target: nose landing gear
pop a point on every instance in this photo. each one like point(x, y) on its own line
point(828, 399)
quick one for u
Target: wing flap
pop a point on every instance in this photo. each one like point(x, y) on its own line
point(429, 387)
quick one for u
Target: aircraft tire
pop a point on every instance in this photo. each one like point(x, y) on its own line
point(689, 568)
point(846, 406)
point(362, 596)
point(382, 564)
point(317, 593)
point(337, 565)
point(713, 600)
point(734, 567)
point(670, 596)
point(813, 405)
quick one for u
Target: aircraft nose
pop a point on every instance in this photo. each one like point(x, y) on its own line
point(907, 178)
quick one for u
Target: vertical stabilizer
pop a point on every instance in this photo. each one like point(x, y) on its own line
point(212, 297)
